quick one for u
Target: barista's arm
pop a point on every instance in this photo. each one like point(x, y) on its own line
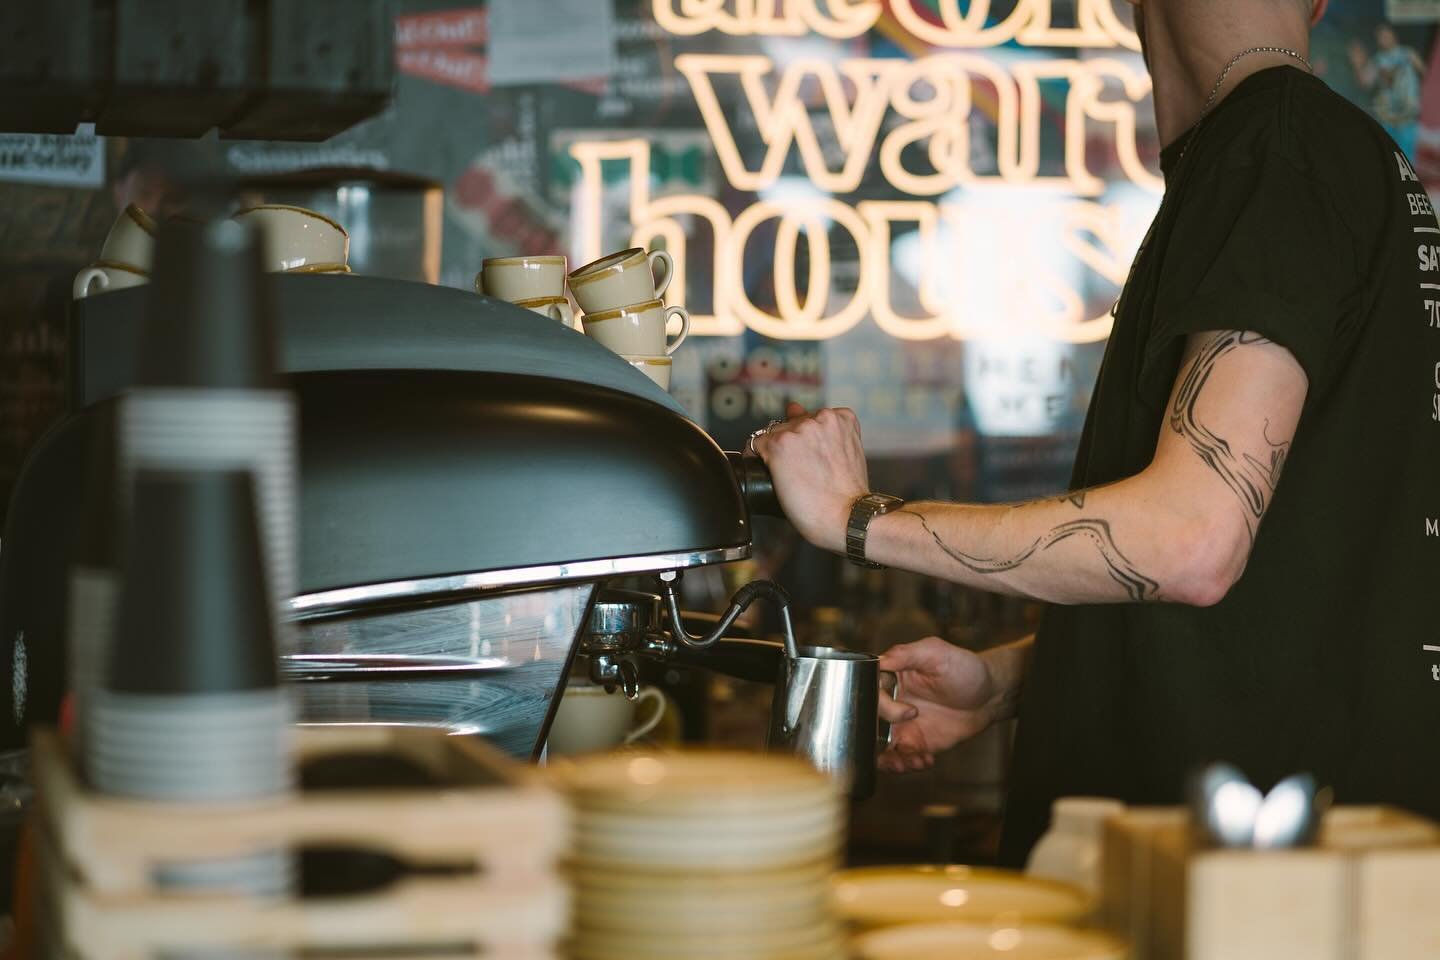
point(1180, 530)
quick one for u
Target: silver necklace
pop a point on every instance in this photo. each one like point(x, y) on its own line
point(1190, 139)
point(1224, 74)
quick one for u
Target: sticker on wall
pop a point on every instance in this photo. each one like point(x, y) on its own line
point(549, 42)
point(55, 159)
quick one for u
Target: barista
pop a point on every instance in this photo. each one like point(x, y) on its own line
point(1243, 569)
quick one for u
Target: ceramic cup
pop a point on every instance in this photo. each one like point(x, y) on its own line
point(638, 330)
point(131, 240)
point(521, 278)
point(630, 276)
point(299, 240)
point(589, 719)
point(103, 275)
point(656, 368)
point(556, 308)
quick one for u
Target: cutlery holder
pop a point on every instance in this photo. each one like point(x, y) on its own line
point(1357, 895)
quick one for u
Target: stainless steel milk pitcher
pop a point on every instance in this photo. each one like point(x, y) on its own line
point(826, 709)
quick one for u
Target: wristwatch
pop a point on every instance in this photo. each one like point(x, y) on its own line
point(864, 510)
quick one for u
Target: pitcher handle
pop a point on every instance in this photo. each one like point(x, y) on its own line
point(888, 737)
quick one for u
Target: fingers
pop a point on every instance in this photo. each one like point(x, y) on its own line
point(902, 760)
point(798, 418)
point(914, 656)
point(896, 711)
point(908, 752)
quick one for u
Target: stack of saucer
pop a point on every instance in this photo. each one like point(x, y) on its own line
point(701, 854)
point(622, 296)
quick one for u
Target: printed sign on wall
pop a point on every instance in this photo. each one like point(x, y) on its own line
point(64, 161)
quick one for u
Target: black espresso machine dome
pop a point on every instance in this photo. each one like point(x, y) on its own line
point(469, 473)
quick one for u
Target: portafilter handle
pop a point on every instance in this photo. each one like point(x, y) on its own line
point(756, 484)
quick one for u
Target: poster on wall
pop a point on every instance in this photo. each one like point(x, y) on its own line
point(1378, 60)
point(1412, 11)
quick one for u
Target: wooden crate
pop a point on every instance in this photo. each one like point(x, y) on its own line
point(1359, 895)
point(411, 918)
point(491, 815)
point(494, 814)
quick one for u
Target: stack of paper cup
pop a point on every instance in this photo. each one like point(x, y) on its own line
point(207, 395)
point(124, 260)
point(622, 299)
point(535, 283)
point(191, 710)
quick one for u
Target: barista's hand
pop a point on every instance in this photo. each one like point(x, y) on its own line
point(819, 469)
point(947, 695)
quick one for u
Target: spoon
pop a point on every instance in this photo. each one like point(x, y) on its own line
point(1224, 806)
point(1288, 817)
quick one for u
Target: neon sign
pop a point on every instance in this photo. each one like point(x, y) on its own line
point(913, 119)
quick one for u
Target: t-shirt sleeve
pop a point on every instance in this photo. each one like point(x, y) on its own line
point(1259, 247)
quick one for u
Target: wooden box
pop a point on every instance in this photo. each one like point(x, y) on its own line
point(491, 823)
point(1359, 895)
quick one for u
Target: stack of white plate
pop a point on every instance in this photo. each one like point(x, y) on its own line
point(703, 854)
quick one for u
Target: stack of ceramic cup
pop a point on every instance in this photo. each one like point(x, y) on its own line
point(297, 240)
point(698, 854)
point(535, 283)
point(622, 299)
point(124, 260)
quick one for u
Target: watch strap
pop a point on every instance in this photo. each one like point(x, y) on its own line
point(862, 511)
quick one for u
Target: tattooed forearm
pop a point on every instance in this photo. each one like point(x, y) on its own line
point(1251, 479)
point(1136, 585)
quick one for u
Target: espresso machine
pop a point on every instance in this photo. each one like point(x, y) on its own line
point(471, 481)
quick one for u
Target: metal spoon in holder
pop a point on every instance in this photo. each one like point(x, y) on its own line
point(826, 702)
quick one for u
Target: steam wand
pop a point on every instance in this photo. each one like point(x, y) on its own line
point(669, 582)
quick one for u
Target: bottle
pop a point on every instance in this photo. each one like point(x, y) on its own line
point(1071, 850)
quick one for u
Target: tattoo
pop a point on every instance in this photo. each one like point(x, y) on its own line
point(1137, 586)
point(1252, 480)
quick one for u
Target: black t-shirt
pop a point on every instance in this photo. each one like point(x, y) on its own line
point(1295, 216)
